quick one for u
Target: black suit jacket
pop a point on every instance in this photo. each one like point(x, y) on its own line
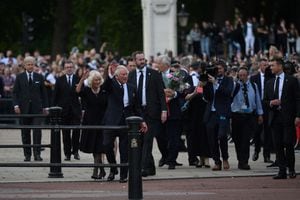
point(115, 111)
point(223, 99)
point(290, 99)
point(23, 93)
point(66, 96)
point(155, 96)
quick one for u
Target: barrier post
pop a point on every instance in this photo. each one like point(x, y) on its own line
point(135, 187)
point(55, 154)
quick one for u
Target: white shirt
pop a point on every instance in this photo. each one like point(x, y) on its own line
point(262, 81)
point(195, 78)
point(125, 97)
point(28, 75)
point(249, 32)
point(69, 77)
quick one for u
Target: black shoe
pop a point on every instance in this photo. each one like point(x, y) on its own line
point(111, 176)
point(38, 158)
point(274, 164)
point(95, 177)
point(67, 158)
point(178, 164)
point(255, 156)
point(102, 173)
point(280, 176)
point(144, 173)
point(171, 166)
point(267, 160)
point(292, 174)
point(162, 162)
point(76, 156)
point(27, 158)
point(123, 180)
point(244, 166)
point(151, 173)
point(194, 163)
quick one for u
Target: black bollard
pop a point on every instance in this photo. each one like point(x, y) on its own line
point(55, 154)
point(135, 186)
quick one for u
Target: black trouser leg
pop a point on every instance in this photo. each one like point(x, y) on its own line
point(108, 144)
point(26, 137)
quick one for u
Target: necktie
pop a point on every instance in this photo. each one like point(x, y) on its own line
point(245, 93)
point(140, 88)
point(69, 81)
point(30, 79)
point(276, 91)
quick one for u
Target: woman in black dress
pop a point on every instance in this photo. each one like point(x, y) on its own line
point(94, 104)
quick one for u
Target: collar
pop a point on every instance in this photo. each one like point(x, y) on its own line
point(193, 73)
point(29, 73)
point(281, 75)
point(140, 70)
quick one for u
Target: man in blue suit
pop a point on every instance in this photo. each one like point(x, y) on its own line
point(217, 92)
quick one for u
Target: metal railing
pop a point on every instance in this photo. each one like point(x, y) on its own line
point(134, 147)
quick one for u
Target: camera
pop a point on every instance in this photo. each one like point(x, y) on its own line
point(207, 68)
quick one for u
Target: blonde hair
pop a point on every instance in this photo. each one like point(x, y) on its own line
point(92, 75)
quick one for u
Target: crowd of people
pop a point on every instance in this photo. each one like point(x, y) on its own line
point(208, 99)
point(246, 37)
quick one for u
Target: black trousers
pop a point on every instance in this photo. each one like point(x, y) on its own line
point(154, 128)
point(242, 130)
point(109, 137)
point(217, 137)
point(71, 136)
point(283, 143)
point(26, 136)
point(36, 133)
point(265, 141)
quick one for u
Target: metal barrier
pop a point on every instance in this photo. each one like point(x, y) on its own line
point(134, 147)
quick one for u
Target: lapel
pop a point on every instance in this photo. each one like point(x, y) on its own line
point(259, 83)
point(66, 80)
point(273, 86)
point(25, 79)
point(148, 76)
point(134, 78)
point(284, 87)
point(130, 94)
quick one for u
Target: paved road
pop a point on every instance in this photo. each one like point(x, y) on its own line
point(246, 188)
point(185, 182)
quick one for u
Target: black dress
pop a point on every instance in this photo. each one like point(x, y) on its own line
point(199, 143)
point(91, 141)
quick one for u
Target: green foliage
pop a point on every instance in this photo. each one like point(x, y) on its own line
point(120, 23)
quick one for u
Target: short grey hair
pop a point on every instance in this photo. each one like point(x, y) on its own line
point(164, 59)
point(29, 59)
point(119, 68)
point(92, 75)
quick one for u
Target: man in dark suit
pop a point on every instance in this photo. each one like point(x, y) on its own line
point(30, 97)
point(282, 94)
point(261, 79)
point(218, 92)
point(172, 128)
point(122, 103)
point(151, 98)
point(65, 96)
